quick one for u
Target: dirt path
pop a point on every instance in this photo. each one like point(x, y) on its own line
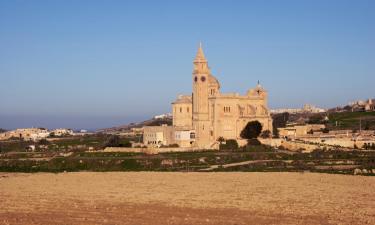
point(239, 164)
point(186, 198)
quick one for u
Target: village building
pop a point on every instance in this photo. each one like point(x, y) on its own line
point(62, 132)
point(26, 134)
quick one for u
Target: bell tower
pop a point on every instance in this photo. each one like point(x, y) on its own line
point(201, 75)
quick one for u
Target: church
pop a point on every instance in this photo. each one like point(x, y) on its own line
point(201, 118)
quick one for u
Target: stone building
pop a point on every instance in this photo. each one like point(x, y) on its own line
point(300, 130)
point(210, 114)
point(157, 136)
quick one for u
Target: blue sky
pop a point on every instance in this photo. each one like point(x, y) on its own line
point(91, 64)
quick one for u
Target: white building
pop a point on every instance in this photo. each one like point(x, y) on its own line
point(26, 134)
point(307, 108)
point(62, 132)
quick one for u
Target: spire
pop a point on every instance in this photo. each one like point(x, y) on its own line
point(200, 55)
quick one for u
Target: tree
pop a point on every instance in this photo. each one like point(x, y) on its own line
point(126, 144)
point(325, 130)
point(220, 140)
point(265, 134)
point(279, 121)
point(112, 141)
point(43, 142)
point(316, 119)
point(367, 126)
point(348, 108)
point(251, 130)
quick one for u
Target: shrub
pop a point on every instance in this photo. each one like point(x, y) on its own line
point(325, 130)
point(43, 142)
point(253, 141)
point(125, 144)
point(265, 134)
point(230, 144)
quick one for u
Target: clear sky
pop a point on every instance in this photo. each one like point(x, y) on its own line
point(91, 64)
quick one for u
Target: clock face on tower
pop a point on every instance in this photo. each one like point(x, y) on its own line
point(203, 79)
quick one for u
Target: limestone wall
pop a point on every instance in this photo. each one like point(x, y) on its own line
point(150, 150)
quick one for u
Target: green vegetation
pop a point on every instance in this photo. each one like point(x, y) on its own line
point(229, 144)
point(265, 134)
point(279, 121)
point(116, 141)
point(70, 154)
point(75, 143)
point(251, 131)
point(352, 120)
point(260, 158)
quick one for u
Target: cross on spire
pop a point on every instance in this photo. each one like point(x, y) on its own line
point(200, 55)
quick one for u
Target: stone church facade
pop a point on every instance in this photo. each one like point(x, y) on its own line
point(208, 114)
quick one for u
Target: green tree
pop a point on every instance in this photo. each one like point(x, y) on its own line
point(43, 142)
point(265, 134)
point(367, 126)
point(316, 119)
point(112, 141)
point(252, 130)
point(278, 121)
point(126, 143)
point(325, 130)
point(220, 140)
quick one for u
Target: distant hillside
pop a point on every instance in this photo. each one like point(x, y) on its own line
point(351, 120)
point(150, 122)
point(337, 120)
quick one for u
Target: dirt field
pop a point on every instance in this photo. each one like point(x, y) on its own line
point(186, 198)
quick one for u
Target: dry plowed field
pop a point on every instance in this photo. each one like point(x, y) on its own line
point(186, 198)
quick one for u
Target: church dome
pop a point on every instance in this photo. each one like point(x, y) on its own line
point(213, 81)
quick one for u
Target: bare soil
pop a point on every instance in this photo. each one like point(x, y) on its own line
point(186, 198)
